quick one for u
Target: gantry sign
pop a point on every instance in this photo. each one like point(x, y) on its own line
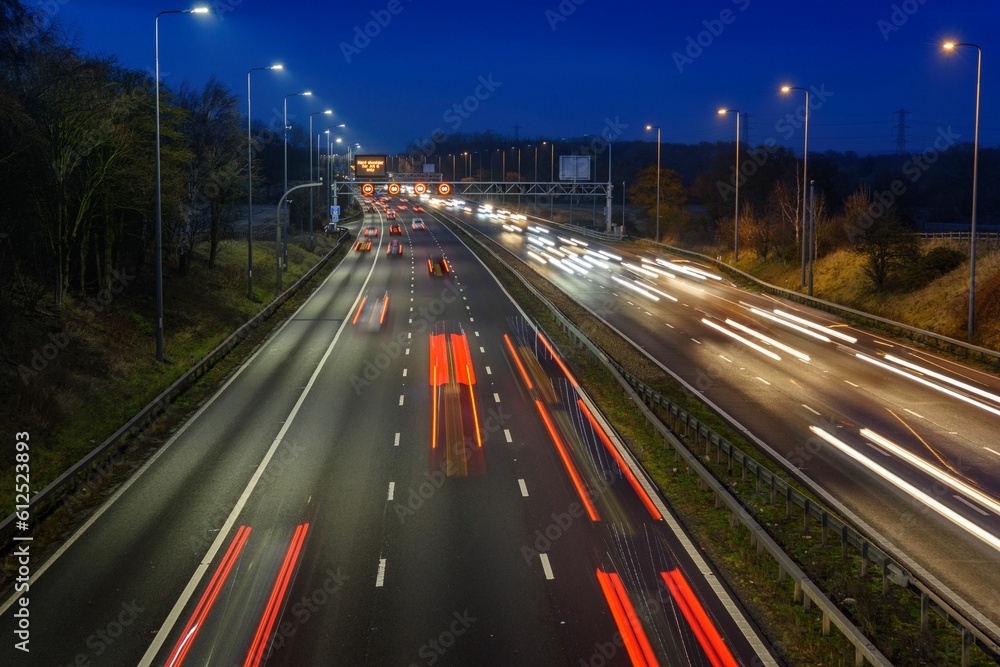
point(427, 183)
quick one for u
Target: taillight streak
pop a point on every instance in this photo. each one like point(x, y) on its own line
point(567, 460)
point(261, 638)
point(709, 638)
point(208, 597)
point(360, 308)
point(626, 470)
point(636, 643)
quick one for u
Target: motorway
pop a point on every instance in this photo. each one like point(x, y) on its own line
point(903, 440)
point(419, 484)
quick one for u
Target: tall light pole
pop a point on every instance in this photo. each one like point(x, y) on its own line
point(736, 215)
point(975, 180)
point(657, 127)
point(285, 120)
point(331, 170)
point(326, 112)
point(159, 193)
point(805, 176)
point(250, 185)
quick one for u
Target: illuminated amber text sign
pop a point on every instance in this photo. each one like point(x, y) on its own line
point(369, 166)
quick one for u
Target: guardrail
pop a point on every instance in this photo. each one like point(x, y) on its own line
point(99, 461)
point(959, 236)
point(923, 336)
point(805, 591)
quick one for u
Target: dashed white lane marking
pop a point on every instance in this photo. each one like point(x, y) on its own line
point(496, 397)
point(488, 371)
point(856, 386)
point(472, 319)
point(483, 350)
point(411, 320)
point(407, 350)
point(725, 358)
point(506, 434)
point(401, 399)
point(396, 441)
point(380, 579)
point(669, 325)
point(992, 450)
point(409, 335)
point(966, 502)
point(477, 334)
point(914, 413)
point(524, 489)
point(392, 490)
point(810, 409)
point(696, 340)
point(763, 380)
point(546, 567)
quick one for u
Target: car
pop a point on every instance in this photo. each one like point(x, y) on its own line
point(395, 248)
point(390, 214)
point(369, 208)
point(403, 199)
point(364, 245)
point(372, 311)
point(402, 207)
point(437, 265)
point(370, 231)
point(395, 230)
point(418, 224)
point(418, 209)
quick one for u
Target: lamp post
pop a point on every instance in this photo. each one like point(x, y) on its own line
point(250, 185)
point(736, 214)
point(331, 170)
point(657, 128)
point(284, 253)
point(552, 175)
point(805, 176)
point(159, 193)
point(950, 46)
point(327, 112)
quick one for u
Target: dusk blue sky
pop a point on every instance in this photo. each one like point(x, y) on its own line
point(566, 68)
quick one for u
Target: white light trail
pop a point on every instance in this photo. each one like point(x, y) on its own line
point(928, 383)
point(913, 491)
point(944, 378)
point(635, 288)
point(936, 473)
point(818, 327)
point(758, 311)
point(770, 341)
point(736, 336)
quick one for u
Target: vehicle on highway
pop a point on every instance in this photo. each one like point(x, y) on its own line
point(395, 230)
point(370, 208)
point(395, 248)
point(402, 207)
point(456, 445)
point(372, 311)
point(364, 245)
point(370, 231)
point(390, 214)
point(418, 224)
point(418, 209)
point(437, 265)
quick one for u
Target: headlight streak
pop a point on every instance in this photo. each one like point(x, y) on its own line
point(944, 378)
point(803, 330)
point(748, 343)
point(908, 488)
point(598, 259)
point(770, 341)
point(537, 229)
point(681, 269)
point(639, 269)
point(653, 289)
point(650, 266)
point(635, 288)
point(936, 473)
point(928, 383)
point(818, 327)
point(575, 263)
point(610, 255)
point(537, 257)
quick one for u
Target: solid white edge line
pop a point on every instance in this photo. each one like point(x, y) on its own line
point(223, 536)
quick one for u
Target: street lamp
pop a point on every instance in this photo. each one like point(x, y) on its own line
point(657, 128)
point(805, 178)
point(327, 112)
point(159, 195)
point(736, 215)
point(250, 185)
point(950, 46)
point(331, 171)
point(285, 120)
